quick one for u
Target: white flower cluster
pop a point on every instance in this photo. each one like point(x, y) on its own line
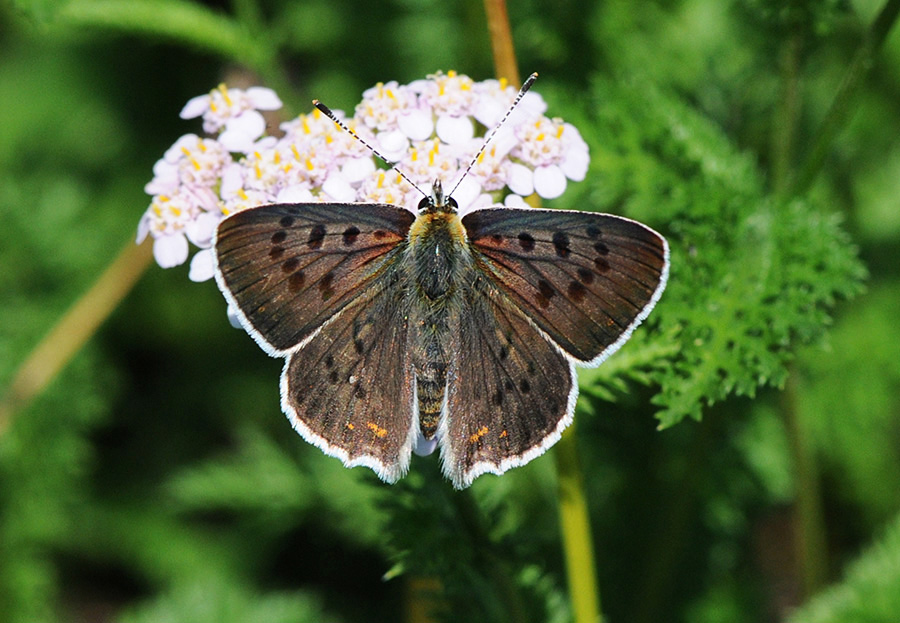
point(429, 129)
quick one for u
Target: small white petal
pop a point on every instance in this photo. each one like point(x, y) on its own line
point(423, 446)
point(200, 230)
point(165, 179)
point(467, 191)
point(298, 193)
point(233, 318)
point(357, 169)
point(338, 188)
point(392, 145)
point(169, 251)
point(521, 179)
point(514, 201)
point(416, 124)
point(232, 180)
point(143, 228)
point(575, 165)
point(454, 130)
point(263, 98)
point(176, 152)
point(488, 111)
point(236, 141)
point(202, 267)
point(483, 200)
point(205, 198)
point(248, 122)
point(549, 182)
point(195, 107)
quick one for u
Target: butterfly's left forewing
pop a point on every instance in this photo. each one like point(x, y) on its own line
point(585, 279)
point(289, 268)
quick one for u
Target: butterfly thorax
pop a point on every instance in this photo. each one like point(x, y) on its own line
point(439, 258)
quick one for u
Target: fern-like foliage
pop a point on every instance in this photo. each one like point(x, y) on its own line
point(751, 277)
point(869, 592)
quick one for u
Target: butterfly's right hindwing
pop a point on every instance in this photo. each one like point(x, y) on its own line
point(289, 268)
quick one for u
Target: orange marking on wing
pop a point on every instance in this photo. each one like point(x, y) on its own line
point(350, 426)
point(481, 432)
point(503, 434)
point(375, 428)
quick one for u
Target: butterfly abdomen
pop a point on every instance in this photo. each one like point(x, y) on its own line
point(438, 256)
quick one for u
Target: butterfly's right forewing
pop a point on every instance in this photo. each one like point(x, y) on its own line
point(585, 279)
point(289, 268)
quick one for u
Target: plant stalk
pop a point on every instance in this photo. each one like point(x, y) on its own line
point(75, 328)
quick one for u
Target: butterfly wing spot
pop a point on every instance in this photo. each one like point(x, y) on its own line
point(601, 248)
point(577, 291)
point(378, 234)
point(601, 264)
point(586, 276)
point(333, 377)
point(329, 361)
point(526, 241)
point(289, 266)
point(504, 353)
point(359, 346)
point(593, 231)
point(286, 221)
point(316, 236)
point(524, 386)
point(276, 252)
point(350, 235)
point(561, 244)
point(296, 281)
point(545, 293)
point(279, 236)
point(325, 286)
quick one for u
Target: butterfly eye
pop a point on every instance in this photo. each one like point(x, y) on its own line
point(452, 203)
point(425, 204)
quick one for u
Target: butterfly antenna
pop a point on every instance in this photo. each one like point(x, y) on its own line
point(325, 110)
point(525, 87)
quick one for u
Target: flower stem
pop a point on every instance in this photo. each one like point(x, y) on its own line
point(504, 51)
point(74, 329)
point(576, 531)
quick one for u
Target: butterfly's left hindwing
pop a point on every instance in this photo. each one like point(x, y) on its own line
point(585, 279)
point(349, 389)
point(289, 268)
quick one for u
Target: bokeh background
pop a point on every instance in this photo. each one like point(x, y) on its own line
point(741, 456)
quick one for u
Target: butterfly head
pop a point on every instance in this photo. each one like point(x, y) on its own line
point(437, 202)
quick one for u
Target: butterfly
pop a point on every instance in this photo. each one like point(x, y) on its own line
point(403, 330)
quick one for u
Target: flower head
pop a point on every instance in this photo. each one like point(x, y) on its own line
point(432, 129)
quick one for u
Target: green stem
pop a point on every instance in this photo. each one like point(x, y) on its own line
point(840, 110)
point(784, 131)
point(810, 547)
point(576, 531)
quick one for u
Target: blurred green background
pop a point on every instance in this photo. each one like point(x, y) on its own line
point(156, 479)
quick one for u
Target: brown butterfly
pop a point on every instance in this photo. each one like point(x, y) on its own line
point(403, 330)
